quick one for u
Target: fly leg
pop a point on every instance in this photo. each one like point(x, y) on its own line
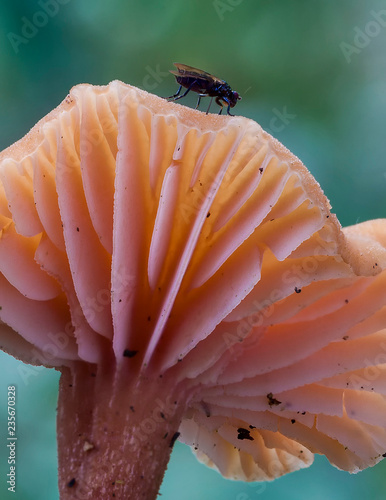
point(176, 96)
point(199, 100)
point(230, 114)
point(218, 101)
point(210, 103)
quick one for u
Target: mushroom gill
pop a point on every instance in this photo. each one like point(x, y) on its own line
point(186, 276)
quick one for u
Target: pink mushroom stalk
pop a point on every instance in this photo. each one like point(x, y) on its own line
point(186, 276)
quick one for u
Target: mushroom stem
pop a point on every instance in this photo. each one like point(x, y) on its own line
point(115, 433)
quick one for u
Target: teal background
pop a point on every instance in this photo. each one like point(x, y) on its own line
point(282, 57)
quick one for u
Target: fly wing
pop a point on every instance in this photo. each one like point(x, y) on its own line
point(189, 71)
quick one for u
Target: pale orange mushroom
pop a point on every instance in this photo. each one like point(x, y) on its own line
point(186, 276)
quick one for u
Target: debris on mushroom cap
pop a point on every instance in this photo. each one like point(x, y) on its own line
point(107, 247)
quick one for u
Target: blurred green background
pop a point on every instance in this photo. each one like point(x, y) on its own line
point(313, 73)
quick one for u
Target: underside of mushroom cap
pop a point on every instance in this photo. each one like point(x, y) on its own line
point(122, 214)
point(198, 246)
point(310, 378)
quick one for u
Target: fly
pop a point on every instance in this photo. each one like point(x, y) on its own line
point(205, 85)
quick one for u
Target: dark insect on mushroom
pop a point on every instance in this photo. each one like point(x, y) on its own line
point(272, 401)
point(244, 434)
point(205, 85)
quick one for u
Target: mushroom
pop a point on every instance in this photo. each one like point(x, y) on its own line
point(186, 276)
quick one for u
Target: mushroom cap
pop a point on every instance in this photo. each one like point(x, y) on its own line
point(142, 231)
